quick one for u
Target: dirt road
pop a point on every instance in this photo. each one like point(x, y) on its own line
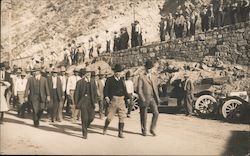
point(176, 135)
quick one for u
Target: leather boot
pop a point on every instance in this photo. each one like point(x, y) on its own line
point(105, 127)
point(121, 126)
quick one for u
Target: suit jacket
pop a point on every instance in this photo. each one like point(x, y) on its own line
point(146, 87)
point(58, 87)
point(79, 92)
point(44, 89)
point(109, 87)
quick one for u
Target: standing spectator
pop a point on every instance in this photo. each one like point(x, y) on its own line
point(220, 17)
point(130, 90)
point(227, 12)
point(163, 24)
point(188, 95)
point(91, 48)
point(124, 38)
point(204, 19)
point(3, 103)
point(37, 89)
point(55, 88)
point(138, 41)
point(83, 52)
point(98, 45)
point(179, 25)
point(114, 93)
point(100, 90)
point(193, 20)
point(170, 25)
point(70, 90)
point(73, 49)
point(116, 46)
point(149, 97)
point(211, 17)
point(243, 6)
point(64, 80)
point(108, 41)
point(234, 18)
point(187, 26)
point(85, 98)
point(19, 89)
point(133, 35)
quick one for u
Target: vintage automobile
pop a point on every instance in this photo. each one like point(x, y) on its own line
point(209, 99)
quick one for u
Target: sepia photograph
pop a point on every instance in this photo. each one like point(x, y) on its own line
point(125, 77)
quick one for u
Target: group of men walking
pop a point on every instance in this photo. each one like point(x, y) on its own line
point(48, 91)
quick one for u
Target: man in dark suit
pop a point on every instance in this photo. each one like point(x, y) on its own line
point(55, 89)
point(38, 90)
point(149, 97)
point(114, 93)
point(188, 94)
point(85, 98)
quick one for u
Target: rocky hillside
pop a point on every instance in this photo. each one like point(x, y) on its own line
point(39, 27)
point(35, 28)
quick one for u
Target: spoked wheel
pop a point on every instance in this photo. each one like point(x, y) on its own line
point(231, 110)
point(135, 102)
point(205, 105)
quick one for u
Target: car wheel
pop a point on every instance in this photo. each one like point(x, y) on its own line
point(231, 110)
point(135, 102)
point(205, 105)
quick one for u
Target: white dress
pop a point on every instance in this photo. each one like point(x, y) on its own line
point(3, 103)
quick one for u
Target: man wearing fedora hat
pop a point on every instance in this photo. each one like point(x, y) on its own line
point(188, 94)
point(114, 93)
point(70, 90)
point(55, 89)
point(19, 89)
point(85, 99)
point(38, 90)
point(149, 97)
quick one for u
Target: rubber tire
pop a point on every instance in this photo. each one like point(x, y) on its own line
point(197, 102)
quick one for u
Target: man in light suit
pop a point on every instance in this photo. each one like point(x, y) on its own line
point(85, 99)
point(149, 97)
point(55, 89)
point(188, 94)
point(38, 91)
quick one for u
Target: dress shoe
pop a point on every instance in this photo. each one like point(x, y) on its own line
point(104, 131)
point(36, 123)
point(152, 132)
point(84, 137)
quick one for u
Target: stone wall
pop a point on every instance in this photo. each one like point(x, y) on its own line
point(231, 44)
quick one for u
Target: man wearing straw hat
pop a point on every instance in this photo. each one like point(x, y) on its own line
point(188, 94)
point(85, 99)
point(70, 90)
point(37, 88)
point(19, 89)
point(55, 88)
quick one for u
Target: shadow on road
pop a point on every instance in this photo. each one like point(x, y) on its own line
point(114, 129)
point(238, 143)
